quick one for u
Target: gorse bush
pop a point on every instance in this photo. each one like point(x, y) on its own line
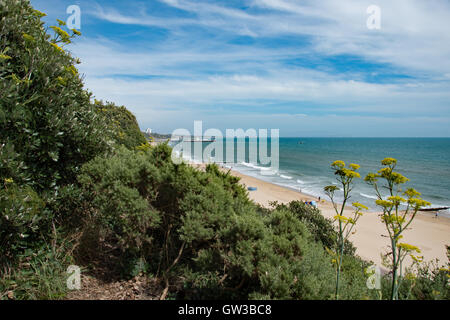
point(199, 228)
point(320, 227)
point(121, 189)
point(122, 124)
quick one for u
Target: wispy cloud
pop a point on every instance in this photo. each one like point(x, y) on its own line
point(272, 59)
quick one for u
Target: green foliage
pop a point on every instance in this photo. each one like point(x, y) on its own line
point(122, 192)
point(41, 274)
point(200, 227)
point(431, 283)
point(44, 111)
point(20, 218)
point(395, 219)
point(48, 130)
point(344, 176)
point(320, 227)
point(122, 124)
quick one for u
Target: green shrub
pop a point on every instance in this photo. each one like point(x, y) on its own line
point(321, 228)
point(49, 128)
point(123, 127)
point(21, 219)
point(198, 229)
point(44, 111)
point(120, 190)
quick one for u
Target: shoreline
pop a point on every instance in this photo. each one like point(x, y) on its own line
point(427, 232)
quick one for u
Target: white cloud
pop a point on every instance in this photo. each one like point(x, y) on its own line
point(413, 33)
point(201, 75)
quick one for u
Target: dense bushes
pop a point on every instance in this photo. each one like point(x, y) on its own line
point(321, 227)
point(201, 230)
point(20, 220)
point(49, 129)
point(122, 124)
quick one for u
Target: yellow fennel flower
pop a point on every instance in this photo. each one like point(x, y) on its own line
point(75, 31)
point(408, 247)
point(388, 161)
point(371, 178)
point(330, 189)
point(384, 203)
point(417, 259)
point(340, 218)
point(338, 164)
point(418, 203)
point(351, 173)
point(38, 13)
point(398, 178)
point(63, 34)
point(396, 200)
point(411, 193)
point(57, 47)
point(360, 206)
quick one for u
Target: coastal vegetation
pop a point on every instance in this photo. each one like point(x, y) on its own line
point(80, 185)
point(345, 176)
point(396, 220)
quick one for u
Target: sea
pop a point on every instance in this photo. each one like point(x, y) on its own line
point(304, 164)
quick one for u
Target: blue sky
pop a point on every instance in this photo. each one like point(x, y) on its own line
point(306, 67)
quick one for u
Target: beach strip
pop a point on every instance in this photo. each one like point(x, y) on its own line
point(427, 232)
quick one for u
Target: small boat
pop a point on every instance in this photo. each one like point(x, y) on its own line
point(252, 188)
point(434, 209)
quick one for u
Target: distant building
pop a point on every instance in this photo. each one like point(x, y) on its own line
point(149, 131)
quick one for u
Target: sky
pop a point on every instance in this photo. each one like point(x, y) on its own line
point(306, 67)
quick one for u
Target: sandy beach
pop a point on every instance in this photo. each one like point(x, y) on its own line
point(427, 232)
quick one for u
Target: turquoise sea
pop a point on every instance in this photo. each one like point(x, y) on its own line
point(304, 164)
